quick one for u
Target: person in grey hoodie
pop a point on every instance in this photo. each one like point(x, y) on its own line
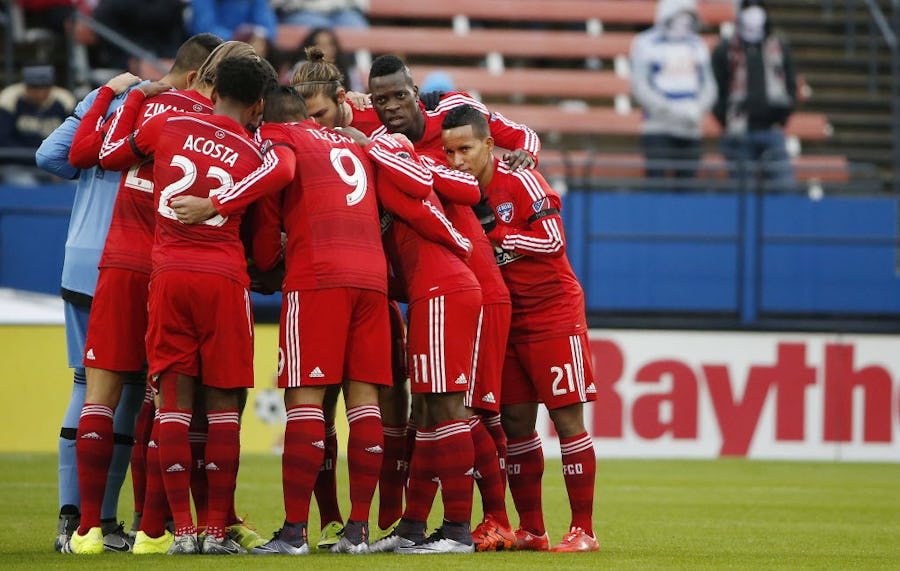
point(672, 81)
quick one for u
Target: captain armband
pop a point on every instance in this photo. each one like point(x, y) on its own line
point(543, 214)
point(134, 148)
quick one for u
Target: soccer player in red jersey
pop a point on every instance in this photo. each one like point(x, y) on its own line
point(444, 302)
point(396, 104)
point(114, 325)
point(199, 306)
point(548, 356)
point(321, 85)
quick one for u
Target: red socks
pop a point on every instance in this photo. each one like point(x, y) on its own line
point(325, 489)
point(487, 472)
point(394, 470)
point(365, 451)
point(142, 428)
point(524, 469)
point(579, 468)
point(155, 508)
point(175, 462)
point(304, 448)
point(223, 446)
point(94, 448)
point(422, 488)
point(454, 460)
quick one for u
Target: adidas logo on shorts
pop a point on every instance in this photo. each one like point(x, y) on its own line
point(316, 373)
point(90, 355)
point(461, 380)
point(175, 468)
point(591, 389)
point(489, 398)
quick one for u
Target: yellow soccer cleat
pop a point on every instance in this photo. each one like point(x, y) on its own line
point(245, 535)
point(146, 545)
point(331, 534)
point(90, 543)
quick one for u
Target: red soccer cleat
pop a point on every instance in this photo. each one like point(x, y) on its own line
point(527, 541)
point(491, 536)
point(576, 540)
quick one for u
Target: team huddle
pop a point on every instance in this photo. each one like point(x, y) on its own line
point(351, 205)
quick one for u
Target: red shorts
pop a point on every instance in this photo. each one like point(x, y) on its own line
point(441, 341)
point(328, 335)
point(201, 325)
point(118, 321)
point(490, 351)
point(557, 372)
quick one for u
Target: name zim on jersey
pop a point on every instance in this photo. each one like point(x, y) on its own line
point(211, 149)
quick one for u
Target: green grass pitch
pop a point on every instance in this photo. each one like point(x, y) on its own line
point(721, 514)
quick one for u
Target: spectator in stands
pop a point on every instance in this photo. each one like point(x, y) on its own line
point(673, 82)
point(156, 25)
point(326, 40)
point(251, 21)
point(322, 13)
point(29, 112)
point(757, 92)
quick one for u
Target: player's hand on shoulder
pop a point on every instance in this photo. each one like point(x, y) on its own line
point(519, 159)
point(122, 82)
point(360, 101)
point(354, 134)
point(155, 88)
point(192, 209)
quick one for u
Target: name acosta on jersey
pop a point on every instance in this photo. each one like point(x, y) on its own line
point(211, 149)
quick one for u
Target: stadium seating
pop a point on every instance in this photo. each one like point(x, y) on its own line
point(604, 11)
point(555, 164)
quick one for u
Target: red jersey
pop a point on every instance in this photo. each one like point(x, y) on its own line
point(199, 155)
point(130, 236)
point(330, 212)
point(425, 268)
point(413, 178)
point(458, 191)
point(547, 300)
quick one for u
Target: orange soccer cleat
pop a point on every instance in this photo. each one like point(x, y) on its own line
point(575, 541)
point(527, 541)
point(491, 536)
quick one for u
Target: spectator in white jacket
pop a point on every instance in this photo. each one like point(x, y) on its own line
point(672, 81)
